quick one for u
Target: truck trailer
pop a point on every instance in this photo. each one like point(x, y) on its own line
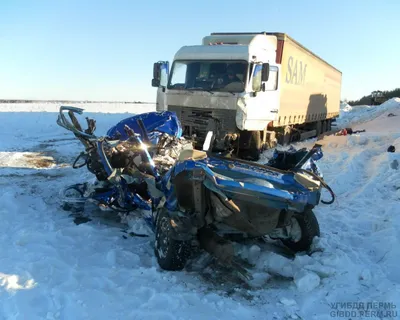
point(253, 90)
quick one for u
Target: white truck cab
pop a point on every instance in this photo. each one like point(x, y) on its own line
point(230, 84)
point(232, 80)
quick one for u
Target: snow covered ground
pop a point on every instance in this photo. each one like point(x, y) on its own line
point(51, 268)
point(359, 114)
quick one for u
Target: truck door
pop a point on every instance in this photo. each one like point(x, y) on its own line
point(160, 80)
point(264, 103)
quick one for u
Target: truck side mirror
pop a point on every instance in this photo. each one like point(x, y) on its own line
point(265, 72)
point(155, 82)
point(257, 78)
point(160, 74)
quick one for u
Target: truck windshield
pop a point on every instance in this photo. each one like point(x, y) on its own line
point(208, 75)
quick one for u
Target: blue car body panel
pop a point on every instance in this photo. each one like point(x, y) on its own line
point(227, 177)
point(156, 123)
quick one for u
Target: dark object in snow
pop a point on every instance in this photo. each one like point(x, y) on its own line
point(80, 220)
point(351, 131)
point(133, 234)
point(346, 131)
point(394, 164)
point(391, 115)
point(391, 149)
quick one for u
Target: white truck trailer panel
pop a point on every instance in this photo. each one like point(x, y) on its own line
point(310, 87)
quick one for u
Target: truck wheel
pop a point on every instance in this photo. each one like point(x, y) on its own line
point(250, 145)
point(324, 126)
point(171, 254)
point(309, 227)
point(328, 125)
point(318, 127)
point(255, 146)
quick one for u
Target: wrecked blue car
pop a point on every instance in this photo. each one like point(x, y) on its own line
point(195, 198)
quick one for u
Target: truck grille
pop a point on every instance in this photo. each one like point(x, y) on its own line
point(197, 120)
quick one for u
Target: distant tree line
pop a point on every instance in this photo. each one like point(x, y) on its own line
point(366, 100)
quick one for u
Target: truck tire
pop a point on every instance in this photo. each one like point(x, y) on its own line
point(250, 145)
point(171, 254)
point(255, 146)
point(328, 125)
point(324, 126)
point(318, 127)
point(309, 229)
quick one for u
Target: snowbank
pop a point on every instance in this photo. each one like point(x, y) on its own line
point(357, 114)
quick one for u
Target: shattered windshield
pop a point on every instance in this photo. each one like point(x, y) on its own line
point(229, 76)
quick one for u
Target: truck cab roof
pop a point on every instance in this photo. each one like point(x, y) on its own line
point(226, 47)
point(217, 52)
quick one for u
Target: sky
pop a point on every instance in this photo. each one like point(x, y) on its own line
point(105, 50)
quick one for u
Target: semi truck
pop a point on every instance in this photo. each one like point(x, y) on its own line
point(253, 90)
point(377, 98)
